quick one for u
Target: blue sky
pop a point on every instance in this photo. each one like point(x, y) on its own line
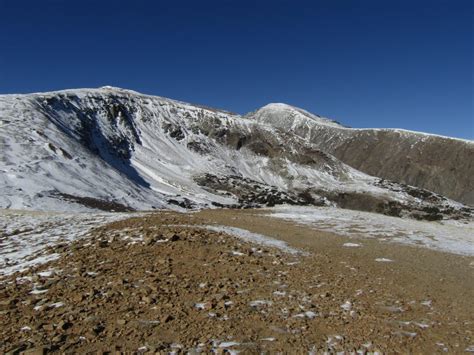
point(366, 63)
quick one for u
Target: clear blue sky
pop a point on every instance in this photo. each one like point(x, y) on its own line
point(366, 63)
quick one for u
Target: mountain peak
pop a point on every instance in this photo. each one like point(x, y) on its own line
point(109, 87)
point(285, 115)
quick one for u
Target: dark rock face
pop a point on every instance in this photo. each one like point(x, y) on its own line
point(183, 203)
point(251, 193)
point(433, 207)
point(430, 207)
point(91, 202)
point(174, 131)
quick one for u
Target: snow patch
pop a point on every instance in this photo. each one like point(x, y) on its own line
point(30, 234)
point(443, 235)
point(251, 237)
point(259, 303)
point(351, 245)
point(347, 306)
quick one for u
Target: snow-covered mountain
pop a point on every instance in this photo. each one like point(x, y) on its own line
point(116, 149)
point(441, 164)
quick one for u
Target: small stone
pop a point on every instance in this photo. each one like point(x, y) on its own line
point(103, 243)
point(147, 300)
point(59, 338)
point(48, 327)
point(174, 238)
point(64, 325)
point(77, 298)
point(150, 241)
point(98, 328)
point(4, 304)
point(166, 318)
point(39, 350)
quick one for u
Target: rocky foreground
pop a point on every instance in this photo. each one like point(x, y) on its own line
point(163, 283)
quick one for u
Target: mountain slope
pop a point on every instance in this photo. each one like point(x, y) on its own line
point(116, 149)
point(441, 164)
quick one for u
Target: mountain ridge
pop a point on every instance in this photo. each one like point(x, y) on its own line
point(143, 151)
point(212, 108)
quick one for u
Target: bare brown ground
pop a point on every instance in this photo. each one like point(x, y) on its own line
point(185, 288)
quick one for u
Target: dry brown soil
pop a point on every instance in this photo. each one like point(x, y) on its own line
point(162, 283)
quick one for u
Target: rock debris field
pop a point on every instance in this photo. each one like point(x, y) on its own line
point(212, 282)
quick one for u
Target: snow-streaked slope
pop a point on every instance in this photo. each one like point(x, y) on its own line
point(74, 142)
point(28, 235)
point(441, 164)
point(448, 236)
point(116, 144)
point(66, 149)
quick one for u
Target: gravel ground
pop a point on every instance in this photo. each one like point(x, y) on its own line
point(163, 282)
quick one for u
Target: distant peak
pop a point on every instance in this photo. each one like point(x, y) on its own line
point(277, 105)
point(116, 88)
point(278, 113)
point(109, 87)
